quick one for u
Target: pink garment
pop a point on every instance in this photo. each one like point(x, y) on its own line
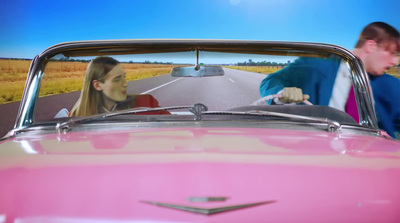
point(351, 105)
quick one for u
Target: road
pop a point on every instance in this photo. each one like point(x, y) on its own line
point(215, 92)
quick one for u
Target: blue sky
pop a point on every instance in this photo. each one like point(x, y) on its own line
point(28, 27)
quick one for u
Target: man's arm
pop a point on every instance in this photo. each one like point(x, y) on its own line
point(287, 81)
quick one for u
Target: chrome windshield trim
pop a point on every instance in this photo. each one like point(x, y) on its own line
point(272, 124)
point(364, 95)
point(30, 94)
point(25, 115)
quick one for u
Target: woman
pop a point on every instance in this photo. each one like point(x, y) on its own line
point(104, 90)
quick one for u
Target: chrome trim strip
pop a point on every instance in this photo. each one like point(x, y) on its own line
point(357, 130)
point(364, 95)
point(31, 93)
point(206, 211)
point(206, 199)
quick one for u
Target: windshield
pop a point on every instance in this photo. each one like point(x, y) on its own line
point(81, 86)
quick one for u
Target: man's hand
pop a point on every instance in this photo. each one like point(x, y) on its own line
point(293, 94)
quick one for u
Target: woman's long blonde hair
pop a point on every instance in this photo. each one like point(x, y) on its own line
point(90, 100)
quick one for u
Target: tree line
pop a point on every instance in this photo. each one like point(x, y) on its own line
point(261, 63)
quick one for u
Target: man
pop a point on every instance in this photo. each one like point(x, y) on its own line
point(378, 47)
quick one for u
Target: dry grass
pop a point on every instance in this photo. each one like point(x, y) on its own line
point(395, 71)
point(257, 69)
point(14, 66)
point(61, 77)
point(11, 91)
point(12, 77)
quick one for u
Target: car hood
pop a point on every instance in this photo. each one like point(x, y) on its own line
point(136, 175)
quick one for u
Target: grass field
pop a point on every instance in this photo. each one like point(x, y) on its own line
point(256, 69)
point(64, 77)
point(267, 70)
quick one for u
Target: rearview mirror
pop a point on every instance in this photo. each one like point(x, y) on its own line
point(197, 71)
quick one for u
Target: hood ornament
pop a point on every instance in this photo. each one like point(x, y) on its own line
point(207, 211)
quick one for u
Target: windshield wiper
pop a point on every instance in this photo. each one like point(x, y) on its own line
point(65, 126)
point(333, 126)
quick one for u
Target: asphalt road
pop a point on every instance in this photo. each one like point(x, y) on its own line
point(215, 92)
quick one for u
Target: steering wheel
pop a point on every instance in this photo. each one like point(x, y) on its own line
point(272, 96)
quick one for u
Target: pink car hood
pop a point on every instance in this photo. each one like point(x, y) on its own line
point(114, 176)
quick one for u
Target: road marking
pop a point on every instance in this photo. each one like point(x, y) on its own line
point(231, 80)
point(146, 92)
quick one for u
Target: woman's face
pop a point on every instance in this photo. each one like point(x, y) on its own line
point(114, 86)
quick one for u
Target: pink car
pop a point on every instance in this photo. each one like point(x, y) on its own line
point(197, 131)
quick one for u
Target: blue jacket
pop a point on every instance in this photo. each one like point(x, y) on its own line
point(386, 90)
point(316, 77)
